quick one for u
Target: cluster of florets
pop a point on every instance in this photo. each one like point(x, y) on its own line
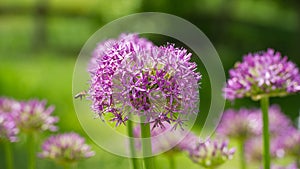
point(35, 116)
point(131, 75)
point(32, 115)
point(9, 111)
point(211, 154)
point(261, 74)
point(66, 148)
point(246, 125)
point(239, 124)
point(8, 128)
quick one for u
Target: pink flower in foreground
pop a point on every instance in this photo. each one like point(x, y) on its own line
point(132, 76)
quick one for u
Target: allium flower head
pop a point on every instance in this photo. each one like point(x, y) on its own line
point(66, 148)
point(265, 73)
point(161, 85)
point(165, 139)
point(8, 128)
point(10, 106)
point(135, 77)
point(106, 59)
point(211, 154)
point(239, 124)
point(35, 116)
point(245, 123)
point(279, 123)
point(254, 149)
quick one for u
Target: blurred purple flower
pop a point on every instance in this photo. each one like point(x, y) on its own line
point(66, 148)
point(240, 124)
point(35, 116)
point(211, 154)
point(10, 106)
point(246, 123)
point(165, 139)
point(279, 123)
point(8, 128)
point(134, 76)
point(262, 73)
point(254, 149)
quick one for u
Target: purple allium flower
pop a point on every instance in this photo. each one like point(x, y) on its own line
point(279, 123)
point(211, 154)
point(35, 116)
point(260, 74)
point(134, 76)
point(10, 106)
point(106, 59)
point(240, 124)
point(161, 85)
point(165, 139)
point(246, 123)
point(8, 128)
point(66, 148)
point(100, 55)
point(254, 149)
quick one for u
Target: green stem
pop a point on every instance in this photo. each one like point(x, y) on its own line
point(146, 145)
point(242, 154)
point(134, 161)
point(264, 103)
point(172, 162)
point(8, 155)
point(31, 150)
point(298, 162)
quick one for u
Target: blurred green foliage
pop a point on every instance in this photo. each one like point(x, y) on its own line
point(40, 40)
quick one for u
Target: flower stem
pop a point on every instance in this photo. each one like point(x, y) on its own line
point(8, 155)
point(134, 161)
point(242, 153)
point(264, 103)
point(298, 162)
point(172, 162)
point(146, 145)
point(31, 150)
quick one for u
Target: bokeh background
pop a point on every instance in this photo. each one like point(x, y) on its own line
point(41, 39)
